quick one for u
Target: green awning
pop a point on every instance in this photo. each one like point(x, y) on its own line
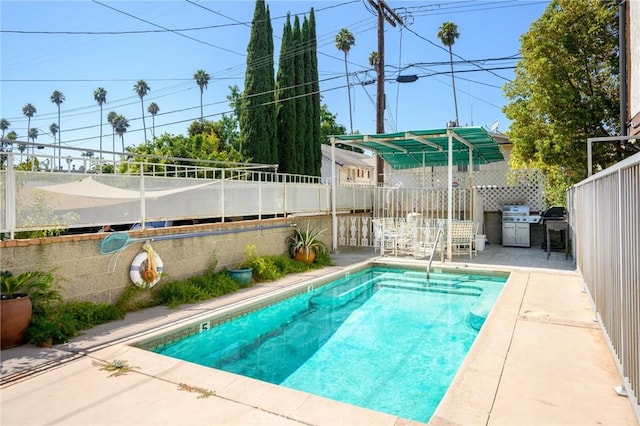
point(418, 148)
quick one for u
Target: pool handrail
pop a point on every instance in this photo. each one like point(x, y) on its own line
point(433, 250)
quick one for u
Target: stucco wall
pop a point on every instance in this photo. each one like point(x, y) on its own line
point(89, 275)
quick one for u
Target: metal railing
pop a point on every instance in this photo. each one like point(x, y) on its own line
point(604, 213)
point(34, 196)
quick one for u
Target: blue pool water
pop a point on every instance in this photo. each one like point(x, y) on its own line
point(381, 338)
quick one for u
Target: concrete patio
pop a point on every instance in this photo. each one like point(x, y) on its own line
point(540, 358)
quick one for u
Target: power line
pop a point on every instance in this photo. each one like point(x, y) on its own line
point(167, 29)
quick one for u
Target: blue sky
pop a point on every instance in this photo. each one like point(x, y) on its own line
point(77, 46)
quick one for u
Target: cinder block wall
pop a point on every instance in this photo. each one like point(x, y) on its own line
point(91, 276)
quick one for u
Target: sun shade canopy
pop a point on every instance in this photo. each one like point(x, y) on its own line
point(418, 148)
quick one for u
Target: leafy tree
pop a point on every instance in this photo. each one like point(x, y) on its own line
point(229, 131)
point(58, 98)
point(565, 90)
point(141, 88)
point(329, 126)
point(153, 109)
point(258, 113)
point(448, 33)
point(100, 96)
point(202, 127)
point(205, 146)
point(344, 41)
point(202, 80)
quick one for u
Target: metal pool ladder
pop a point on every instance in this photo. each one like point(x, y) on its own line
point(433, 250)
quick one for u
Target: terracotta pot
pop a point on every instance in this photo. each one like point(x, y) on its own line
point(15, 315)
point(305, 257)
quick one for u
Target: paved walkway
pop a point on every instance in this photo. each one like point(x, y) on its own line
point(540, 359)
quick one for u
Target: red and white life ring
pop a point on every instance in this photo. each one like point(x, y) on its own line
point(136, 271)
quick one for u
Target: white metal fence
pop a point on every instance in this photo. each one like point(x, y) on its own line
point(605, 220)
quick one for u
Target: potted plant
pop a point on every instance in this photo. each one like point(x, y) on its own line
point(243, 272)
point(305, 244)
point(17, 295)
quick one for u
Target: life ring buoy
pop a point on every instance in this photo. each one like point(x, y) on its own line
point(136, 270)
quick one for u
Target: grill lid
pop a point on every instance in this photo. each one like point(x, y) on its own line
point(554, 213)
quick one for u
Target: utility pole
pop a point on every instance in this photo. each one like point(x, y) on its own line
point(388, 14)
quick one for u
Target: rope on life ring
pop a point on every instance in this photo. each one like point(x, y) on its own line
point(150, 274)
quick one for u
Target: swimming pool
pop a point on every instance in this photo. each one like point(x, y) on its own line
point(381, 338)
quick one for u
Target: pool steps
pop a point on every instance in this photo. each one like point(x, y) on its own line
point(486, 293)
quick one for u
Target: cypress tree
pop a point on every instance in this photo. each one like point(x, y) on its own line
point(286, 111)
point(309, 156)
point(271, 108)
point(301, 106)
point(314, 90)
point(258, 114)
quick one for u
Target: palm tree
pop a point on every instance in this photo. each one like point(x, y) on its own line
point(33, 135)
point(153, 109)
point(100, 96)
point(22, 147)
point(4, 146)
point(121, 128)
point(202, 80)
point(374, 59)
point(58, 98)
point(344, 41)
point(53, 128)
point(4, 125)
point(111, 118)
point(448, 33)
point(141, 88)
point(29, 110)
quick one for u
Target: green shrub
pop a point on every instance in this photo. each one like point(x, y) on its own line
point(88, 314)
point(134, 298)
point(176, 293)
point(59, 323)
point(218, 284)
point(265, 268)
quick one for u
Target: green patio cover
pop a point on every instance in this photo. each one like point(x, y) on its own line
point(418, 148)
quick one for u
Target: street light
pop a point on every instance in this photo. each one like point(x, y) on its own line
point(407, 78)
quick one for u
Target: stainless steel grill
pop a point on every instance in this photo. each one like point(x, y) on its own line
point(515, 225)
point(553, 219)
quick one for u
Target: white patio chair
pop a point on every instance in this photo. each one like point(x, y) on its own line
point(462, 238)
